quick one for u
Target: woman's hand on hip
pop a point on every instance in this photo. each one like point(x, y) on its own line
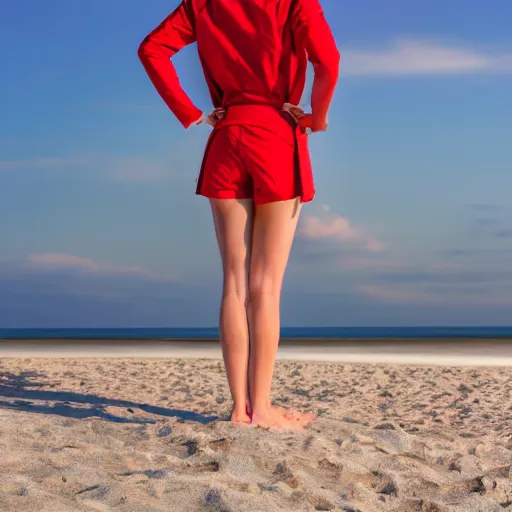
point(214, 117)
point(307, 122)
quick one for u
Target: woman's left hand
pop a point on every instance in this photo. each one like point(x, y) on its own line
point(215, 116)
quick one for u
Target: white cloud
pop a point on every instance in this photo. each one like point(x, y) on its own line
point(417, 57)
point(57, 260)
point(69, 261)
point(336, 227)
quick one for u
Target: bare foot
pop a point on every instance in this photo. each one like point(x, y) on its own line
point(302, 418)
point(270, 419)
point(240, 417)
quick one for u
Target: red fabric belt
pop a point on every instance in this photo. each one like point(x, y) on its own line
point(257, 115)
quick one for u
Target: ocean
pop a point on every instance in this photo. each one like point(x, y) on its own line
point(286, 332)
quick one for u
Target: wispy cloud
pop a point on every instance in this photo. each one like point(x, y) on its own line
point(408, 294)
point(126, 169)
point(53, 289)
point(338, 228)
point(485, 207)
point(490, 220)
point(139, 107)
point(44, 163)
point(445, 275)
point(69, 261)
point(56, 260)
point(135, 169)
point(441, 283)
point(400, 294)
point(367, 263)
point(417, 57)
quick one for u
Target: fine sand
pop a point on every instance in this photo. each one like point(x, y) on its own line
point(128, 434)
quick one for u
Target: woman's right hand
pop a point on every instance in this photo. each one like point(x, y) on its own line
point(306, 122)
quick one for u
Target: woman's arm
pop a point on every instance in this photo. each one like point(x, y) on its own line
point(314, 34)
point(175, 32)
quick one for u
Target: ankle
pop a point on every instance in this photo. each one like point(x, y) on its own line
point(260, 410)
point(239, 407)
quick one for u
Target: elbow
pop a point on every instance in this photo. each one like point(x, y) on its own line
point(337, 58)
point(337, 66)
point(151, 48)
point(327, 67)
point(334, 64)
point(327, 72)
point(143, 50)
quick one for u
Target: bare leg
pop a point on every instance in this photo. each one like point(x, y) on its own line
point(274, 227)
point(233, 219)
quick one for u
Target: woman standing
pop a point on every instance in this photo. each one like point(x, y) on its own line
point(256, 169)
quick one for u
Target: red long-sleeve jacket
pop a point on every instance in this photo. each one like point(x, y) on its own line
point(251, 51)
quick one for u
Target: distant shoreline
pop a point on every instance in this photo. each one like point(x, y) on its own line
point(285, 341)
point(327, 335)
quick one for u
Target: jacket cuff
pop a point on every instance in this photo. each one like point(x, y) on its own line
point(197, 121)
point(191, 118)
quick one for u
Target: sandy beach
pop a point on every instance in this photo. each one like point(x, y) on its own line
point(130, 434)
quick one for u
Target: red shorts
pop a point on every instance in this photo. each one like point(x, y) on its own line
point(253, 154)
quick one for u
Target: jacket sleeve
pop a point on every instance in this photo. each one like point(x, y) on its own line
point(155, 52)
point(315, 36)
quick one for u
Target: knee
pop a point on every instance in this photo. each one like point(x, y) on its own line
point(235, 279)
point(264, 286)
point(235, 293)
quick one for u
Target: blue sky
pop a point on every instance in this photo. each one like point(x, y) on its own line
point(412, 223)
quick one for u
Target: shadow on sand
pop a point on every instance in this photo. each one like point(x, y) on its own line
point(21, 390)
